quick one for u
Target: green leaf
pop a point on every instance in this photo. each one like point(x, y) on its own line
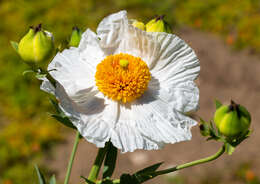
point(28, 71)
point(218, 103)
point(238, 140)
point(64, 120)
point(52, 180)
point(149, 169)
point(110, 161)
point(87, 180)
point(14, 45)
point(128, 179)
point(60, 116)
point(40, 76)
point(146, 173)
point(40, 175)
point(55, 105)
point(229, 148)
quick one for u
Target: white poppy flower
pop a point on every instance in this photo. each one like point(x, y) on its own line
point(127, 86)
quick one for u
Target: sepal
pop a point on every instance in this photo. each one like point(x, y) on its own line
point(218, 104)
point(60, 116)
point(41, 178)
point(52, 180)
point(14, 45)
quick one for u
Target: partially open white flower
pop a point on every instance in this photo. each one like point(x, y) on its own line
point(127, 86)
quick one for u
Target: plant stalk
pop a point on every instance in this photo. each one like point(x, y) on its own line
point(72, 156)
point(93, 175)
point(193, 163)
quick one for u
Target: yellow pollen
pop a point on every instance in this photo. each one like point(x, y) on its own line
point(122, 77)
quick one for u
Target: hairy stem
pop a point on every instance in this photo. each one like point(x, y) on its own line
point(72, 156)
point(193, 163)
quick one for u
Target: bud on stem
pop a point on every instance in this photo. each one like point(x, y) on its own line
point(75, 37)
point(158, 25)
point(138, 24)
point(36, 46)
point(232, 120)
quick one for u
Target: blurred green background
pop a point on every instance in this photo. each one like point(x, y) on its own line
point(27, 133)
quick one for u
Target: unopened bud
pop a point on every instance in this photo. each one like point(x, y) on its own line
point(158, 25)
point(75, 37)
point(138, 24)
point(233, 120)
point(36, 46)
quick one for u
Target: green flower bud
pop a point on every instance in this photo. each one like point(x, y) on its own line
point(138, 24)
point(75, 37)
point(232, 120)
point(158, 25)
point(36, 46)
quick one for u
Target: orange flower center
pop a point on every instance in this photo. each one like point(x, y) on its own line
point(122, 77)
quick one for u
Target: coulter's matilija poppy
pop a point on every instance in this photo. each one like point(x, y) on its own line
point(127, 86)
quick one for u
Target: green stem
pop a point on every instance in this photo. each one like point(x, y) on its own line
point(93, 175)
point(72, 156)
point(48, 76)
point(179, 167)
point(193, 163)
point(117, 181)
point(51, 79)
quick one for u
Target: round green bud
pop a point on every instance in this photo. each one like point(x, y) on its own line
point(158, 25)
point(36, 46)
point(232, 120)
point(138, 24)
point(75, 37)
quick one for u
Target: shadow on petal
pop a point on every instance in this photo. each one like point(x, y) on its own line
point(150, 94)
point(84, 101)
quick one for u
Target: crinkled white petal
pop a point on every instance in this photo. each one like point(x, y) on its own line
point(71, 71)
point(110, 31)
point(150, 123)
point(184, 97)
point(89, 48)
point(118, 36)
point(92, 114)
point(176, 62)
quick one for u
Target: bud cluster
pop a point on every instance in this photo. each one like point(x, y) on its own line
point(158, 24)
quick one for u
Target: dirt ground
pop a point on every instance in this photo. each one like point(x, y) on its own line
point(225, 74)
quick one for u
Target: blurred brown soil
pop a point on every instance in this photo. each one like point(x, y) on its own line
point(225, 74)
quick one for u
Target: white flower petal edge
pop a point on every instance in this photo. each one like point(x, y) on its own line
point(158, 117)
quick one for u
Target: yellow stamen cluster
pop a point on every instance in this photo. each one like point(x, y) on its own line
point(122, 83)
